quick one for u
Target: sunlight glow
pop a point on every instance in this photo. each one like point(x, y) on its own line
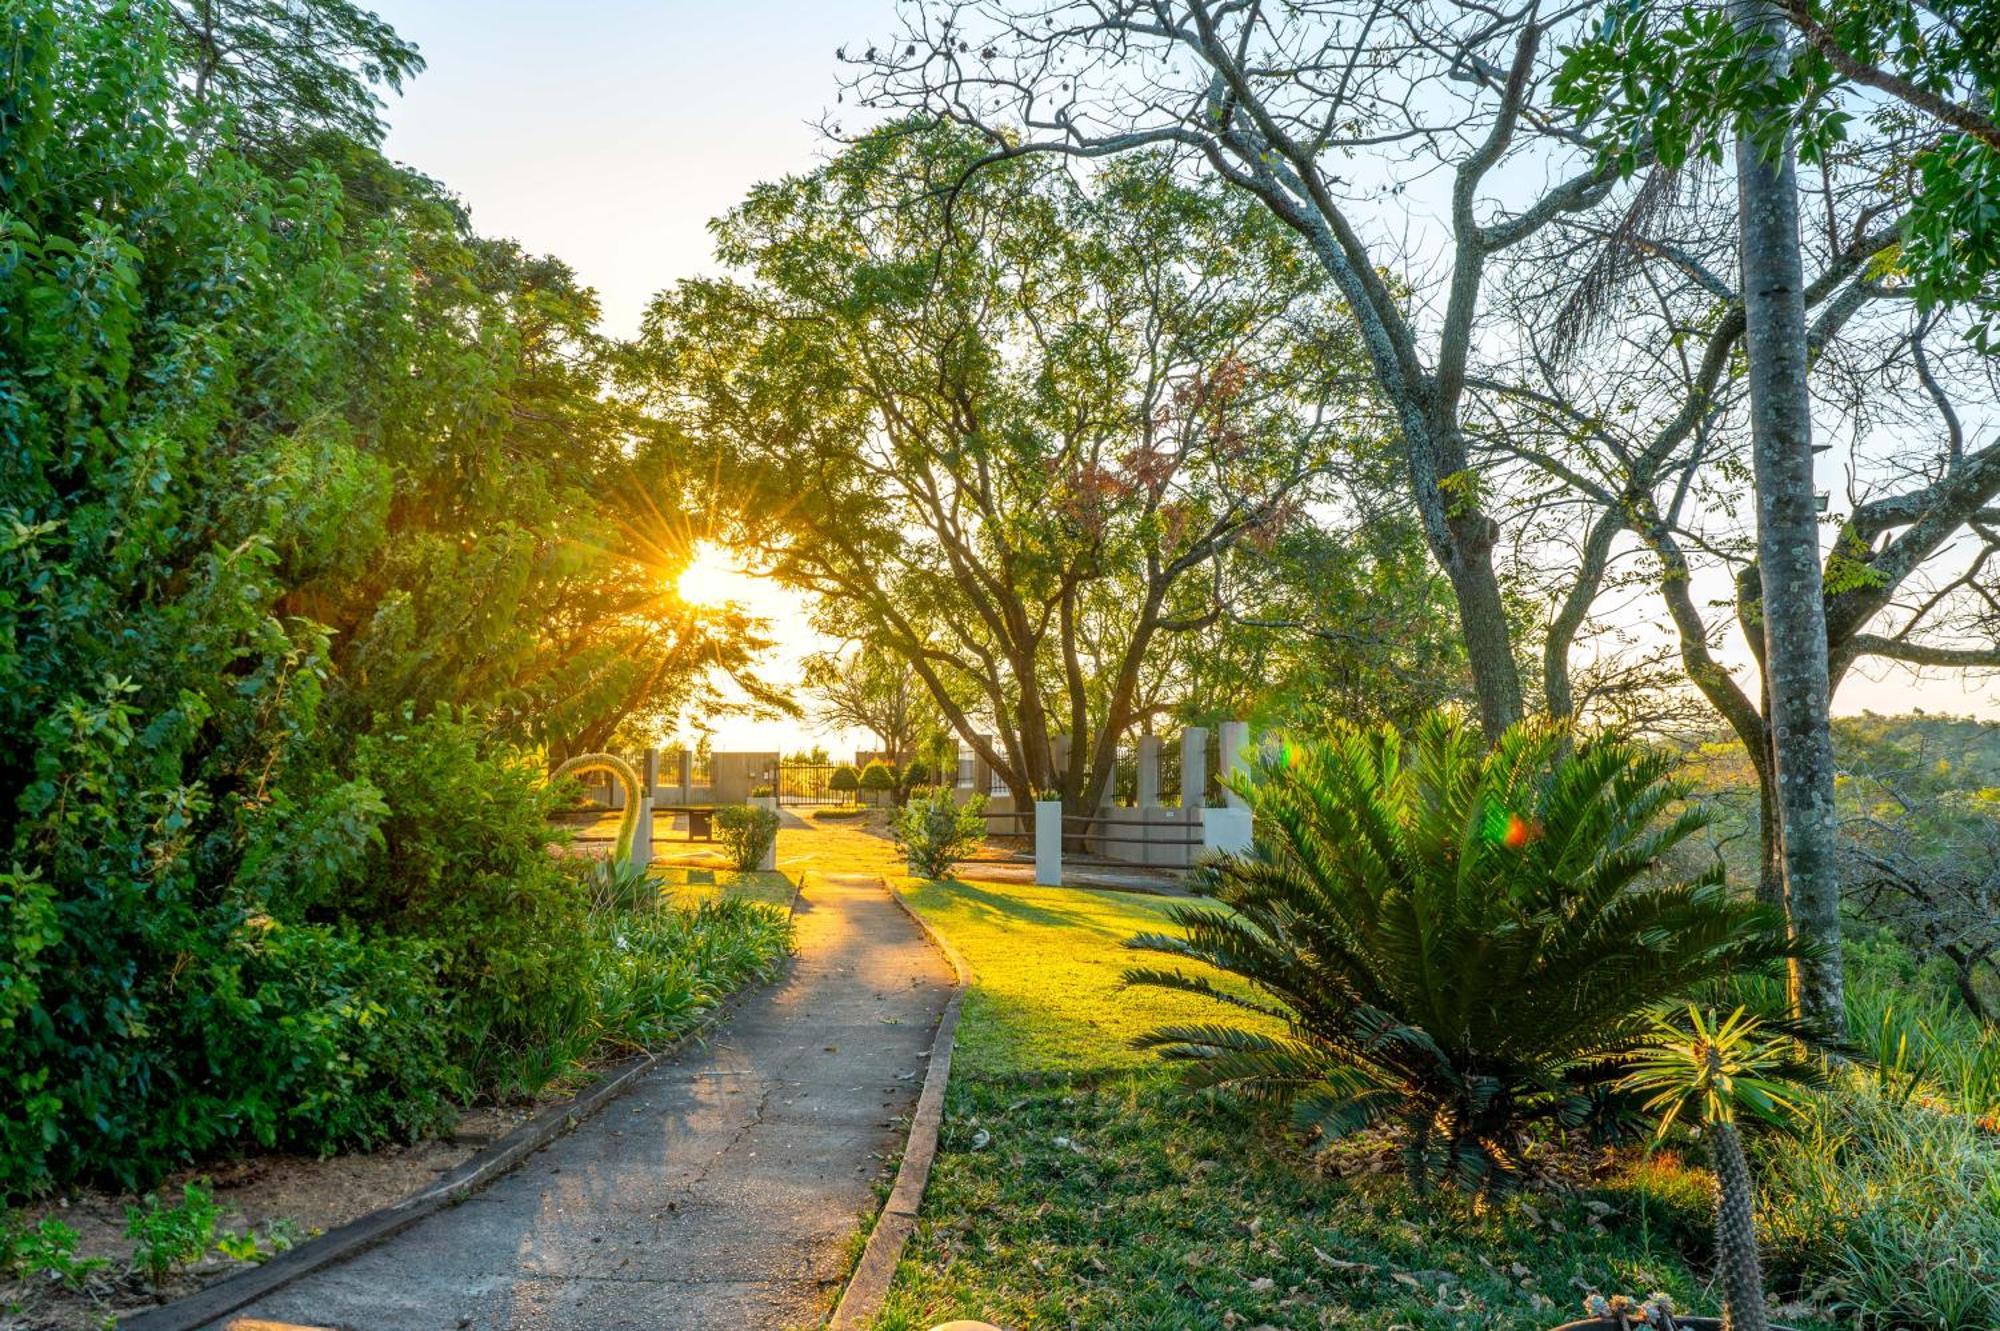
point(714, 578)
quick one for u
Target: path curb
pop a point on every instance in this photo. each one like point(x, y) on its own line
point(868, 1288)
point(225, 1296)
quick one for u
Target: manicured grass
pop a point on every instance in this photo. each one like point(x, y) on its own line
point(1078, 1184)
point(684, 886)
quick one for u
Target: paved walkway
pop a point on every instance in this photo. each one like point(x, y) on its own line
point(721, 1191)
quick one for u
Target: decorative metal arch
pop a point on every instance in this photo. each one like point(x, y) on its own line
point(628, 826)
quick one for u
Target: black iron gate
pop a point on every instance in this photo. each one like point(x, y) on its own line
point(810, 785)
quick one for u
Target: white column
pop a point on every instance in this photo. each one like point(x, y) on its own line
point(1235, 746)
point(1148, 795)
point(1194, 766)
point(1048, 842)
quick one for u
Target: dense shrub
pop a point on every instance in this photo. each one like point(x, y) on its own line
point(846, 778)
point(918, 774)
point(747, 831)
point(878, 777)
point(1457, 939)
point(462, 860)
point(934, 831)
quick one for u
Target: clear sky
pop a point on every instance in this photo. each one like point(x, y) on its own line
point(609, 132)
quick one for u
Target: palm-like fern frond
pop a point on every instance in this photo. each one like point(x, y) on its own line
point(1465, 939)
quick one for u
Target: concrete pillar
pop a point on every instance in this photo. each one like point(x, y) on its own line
point(982, 771)
point(1235, 759)
point(1048, 843)
point(770, 859)
point(1148, 793)
point(1194, 766)
point(1226, 831)
point(686, 773)
point(649, 775)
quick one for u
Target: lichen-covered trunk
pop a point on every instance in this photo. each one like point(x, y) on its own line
point(1736, 1258)
point(1788, 554)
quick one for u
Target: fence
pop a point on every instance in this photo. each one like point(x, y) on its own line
point(810, 786)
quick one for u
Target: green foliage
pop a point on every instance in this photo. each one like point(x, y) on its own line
point(463, 862)
point(844, 777)
point(48, 1250)
point(1712, 1071)
point(878, 776)
point(918, 773)
point(1670, 83)
point(1458, 940)
point(934, 831)
point(167, 1237)
point(747, 831)
point(1890, 1209)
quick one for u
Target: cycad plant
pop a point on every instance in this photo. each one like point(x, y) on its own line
point(1718, 1073)
point(1458, 939)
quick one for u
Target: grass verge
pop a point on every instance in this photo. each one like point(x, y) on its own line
point(1077, 1184)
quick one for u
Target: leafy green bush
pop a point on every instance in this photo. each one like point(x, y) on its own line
point(878, 777)
point(48, 1249)
point(1458, 940)
point(747, 832)
point(935, 832)
point(917, 774)
point(846, 778)
point(463, 862)
point(168, 1237)
point(657, 972)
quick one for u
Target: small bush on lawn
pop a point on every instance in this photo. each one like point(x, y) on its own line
point(878, 777)
point(1460, 939)
point(846, 779)
point(747, 832)
point(935, 832)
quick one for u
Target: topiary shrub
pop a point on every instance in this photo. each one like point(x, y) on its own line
point(934, 831)
point(846, 779)
point(1460, 940)
point(747, 833)
point(878, 778)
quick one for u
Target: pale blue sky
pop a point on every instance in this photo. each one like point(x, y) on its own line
point(608, 132)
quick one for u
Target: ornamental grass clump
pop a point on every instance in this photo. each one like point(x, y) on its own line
point(1457, 941)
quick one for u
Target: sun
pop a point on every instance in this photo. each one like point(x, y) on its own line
point(712, 577)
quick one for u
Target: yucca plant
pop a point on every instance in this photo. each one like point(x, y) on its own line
point(1460, 940)
point(1719, 1072)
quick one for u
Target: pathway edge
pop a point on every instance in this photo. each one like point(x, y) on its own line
point(232, 1292)
point(868, 1286)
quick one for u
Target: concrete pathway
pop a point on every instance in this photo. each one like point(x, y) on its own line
point(723, 1190)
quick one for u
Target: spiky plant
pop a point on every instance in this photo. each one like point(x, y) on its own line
point(1457, 939)
point(1719, 1073)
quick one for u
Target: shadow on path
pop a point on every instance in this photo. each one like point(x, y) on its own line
point(721, 1191)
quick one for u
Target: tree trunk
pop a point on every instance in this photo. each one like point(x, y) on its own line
point(1489, 647)
point(1770, 844)
point(1736, 1234)
point(1788, 555)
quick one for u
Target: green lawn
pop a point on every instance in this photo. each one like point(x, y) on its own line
point(1078, 1185)
point(689, 886)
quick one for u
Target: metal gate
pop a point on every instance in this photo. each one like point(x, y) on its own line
point(810, 785)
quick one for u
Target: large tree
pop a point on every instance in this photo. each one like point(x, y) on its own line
point(1013, 428)
point(1325, 110)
